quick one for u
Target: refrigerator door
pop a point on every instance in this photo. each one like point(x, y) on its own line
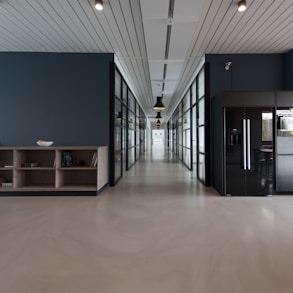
point(235, 154)
point(259, 174)
point(249, 151)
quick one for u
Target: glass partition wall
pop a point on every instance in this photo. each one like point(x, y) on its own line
point(189, 128)
point(127, 133)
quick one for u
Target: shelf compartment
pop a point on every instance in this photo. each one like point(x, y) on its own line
point(35, 179)
point(35, 158)
point(78, 158)
point(6, 178)
point(76, 178)
point(6, 158)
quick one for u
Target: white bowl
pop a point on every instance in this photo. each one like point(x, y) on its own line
point(44, 143)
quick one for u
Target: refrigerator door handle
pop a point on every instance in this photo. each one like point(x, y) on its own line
point(248, 146)
point(244, 145)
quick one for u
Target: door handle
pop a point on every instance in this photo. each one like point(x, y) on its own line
point(248, 146)
point(244, 145)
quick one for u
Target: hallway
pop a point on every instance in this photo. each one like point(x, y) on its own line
point(157, 231)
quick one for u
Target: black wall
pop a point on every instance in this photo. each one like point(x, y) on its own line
point(265, 72)
point(54, 96)
point(249, 72)
point(289, 70)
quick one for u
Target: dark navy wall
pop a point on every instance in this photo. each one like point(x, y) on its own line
point(54, 96)
point(248, 72)
point(289, 70)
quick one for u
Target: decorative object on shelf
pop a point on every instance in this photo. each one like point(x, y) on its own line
point(67, 159)
point(7, 184)
point(29, 165)
point(41, 142)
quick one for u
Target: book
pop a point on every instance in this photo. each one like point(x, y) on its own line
point(94, 159)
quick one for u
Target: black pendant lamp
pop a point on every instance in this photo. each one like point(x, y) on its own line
point(159, 105)
point(158, 117)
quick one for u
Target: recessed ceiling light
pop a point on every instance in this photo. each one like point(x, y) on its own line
point(242, 5)
point(99, 4)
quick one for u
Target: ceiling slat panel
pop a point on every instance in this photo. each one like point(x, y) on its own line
point(72, 22)
point(267, 26)
point(51, 9)
point(248, 24)
point(222, 15)
point(20, 27)
point(87, 27)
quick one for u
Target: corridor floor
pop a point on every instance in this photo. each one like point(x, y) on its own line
point(157, 231)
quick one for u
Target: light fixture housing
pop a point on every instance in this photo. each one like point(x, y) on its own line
point(242, 6)
point(158, 117)
point(99, 4)
point(227, 65)
point(159, 105)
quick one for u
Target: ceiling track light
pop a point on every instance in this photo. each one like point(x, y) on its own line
point(159, 105)
point(99, 4)
point(242, 6)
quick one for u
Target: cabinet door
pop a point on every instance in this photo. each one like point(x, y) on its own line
point(234, 173)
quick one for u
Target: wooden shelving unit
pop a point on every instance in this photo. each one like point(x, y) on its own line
point(68, 168)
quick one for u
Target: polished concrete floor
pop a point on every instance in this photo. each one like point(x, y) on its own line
point(158, 231)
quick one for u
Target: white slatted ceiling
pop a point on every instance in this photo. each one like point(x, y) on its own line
point(135, 30)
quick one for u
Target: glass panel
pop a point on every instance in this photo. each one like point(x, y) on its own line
point(201, 83)
point(201, 112)
point(284, 122)
point(117, 84)
point(186, 157)
point(124, 139)
point(118, 165)
point(124, 92)
point(131, 156)
point(267, 126)
point(186, 120)
point(193, 92)
point(201, 139)
point(131, 102)
point(201, 167)
point(186, 103)
point(194, 138)
point(131, 120)
point(131, 137)
point(186, 139)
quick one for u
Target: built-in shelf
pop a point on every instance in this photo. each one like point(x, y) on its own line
point(69, 168)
